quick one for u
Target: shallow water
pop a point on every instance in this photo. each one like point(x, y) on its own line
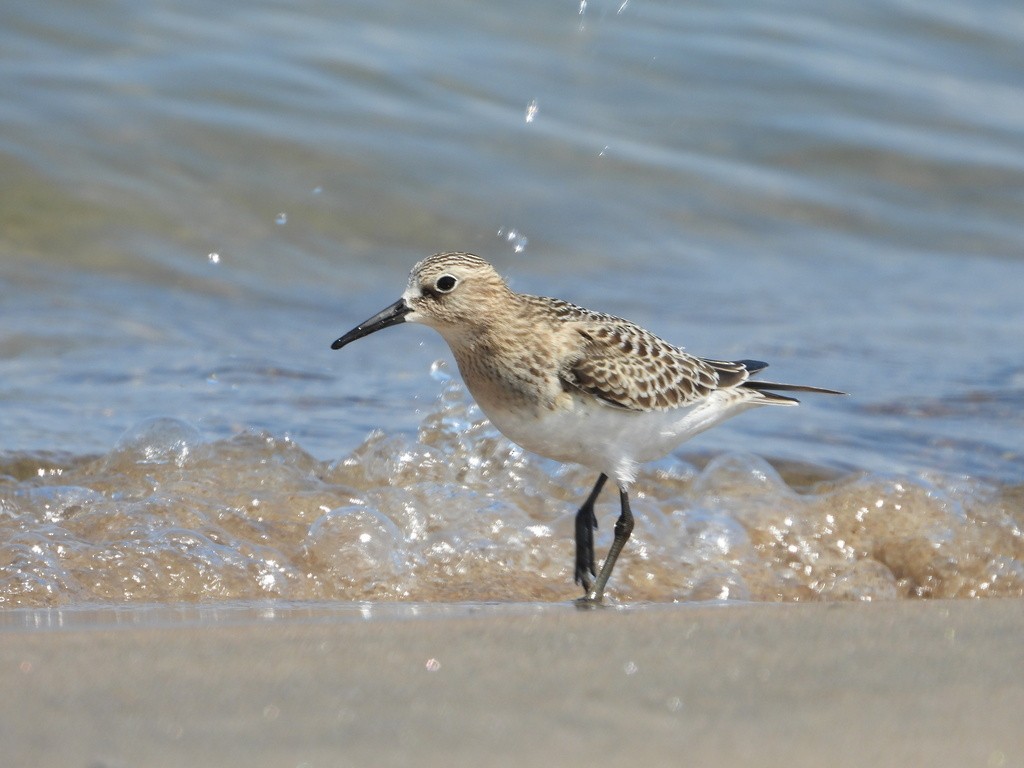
point(459, 513)
point(197, 200)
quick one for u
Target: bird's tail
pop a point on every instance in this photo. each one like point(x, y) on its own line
point(770, 391)
point(740, 370)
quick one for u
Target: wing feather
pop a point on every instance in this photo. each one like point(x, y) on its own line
point(628, 367)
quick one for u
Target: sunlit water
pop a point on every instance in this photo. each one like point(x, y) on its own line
point(456, 512)
point(197, 199)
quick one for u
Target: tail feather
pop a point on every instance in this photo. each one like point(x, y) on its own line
point(752, 366)
point(736, 373)
point(763, 385)
point(770, 391)
point(732, 373)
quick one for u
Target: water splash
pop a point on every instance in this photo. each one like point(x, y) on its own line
point(456, 512)
point(156, 441)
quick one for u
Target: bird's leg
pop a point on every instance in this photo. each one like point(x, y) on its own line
point(586, 522)
point(623, 527)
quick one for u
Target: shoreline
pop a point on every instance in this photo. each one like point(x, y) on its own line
point(840, 684)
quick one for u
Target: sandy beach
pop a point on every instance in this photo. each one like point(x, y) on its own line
point(199, 198)
point(842, 684)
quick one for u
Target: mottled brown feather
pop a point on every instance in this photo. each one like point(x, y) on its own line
point(629, 367)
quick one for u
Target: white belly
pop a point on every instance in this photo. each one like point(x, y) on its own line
point(608, 439)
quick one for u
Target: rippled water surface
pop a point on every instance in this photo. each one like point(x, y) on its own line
point(198, 199)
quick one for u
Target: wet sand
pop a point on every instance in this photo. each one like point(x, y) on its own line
point(840, 684)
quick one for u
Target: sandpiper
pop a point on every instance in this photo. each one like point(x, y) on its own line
point(572, 384)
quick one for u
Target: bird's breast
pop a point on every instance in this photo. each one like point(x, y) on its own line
point(502, 380)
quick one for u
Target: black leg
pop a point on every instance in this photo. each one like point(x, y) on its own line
point(586, 522)
point(623, 528)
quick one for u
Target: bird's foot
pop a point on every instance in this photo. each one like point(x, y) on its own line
point(584, 572)
point(590, 600)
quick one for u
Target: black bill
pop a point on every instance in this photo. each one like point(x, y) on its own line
point(387, 317)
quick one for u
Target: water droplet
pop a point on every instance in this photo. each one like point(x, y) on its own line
point(439, 371)
point(514, 236)
point(531, 111)
point(433, 665)
point(583, 7)
point(214, 257)
point(282, 219)
point(317, 190)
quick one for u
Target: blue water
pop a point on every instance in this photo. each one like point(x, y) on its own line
point(197, 199)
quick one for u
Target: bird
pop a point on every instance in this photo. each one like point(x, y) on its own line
point(574, 385)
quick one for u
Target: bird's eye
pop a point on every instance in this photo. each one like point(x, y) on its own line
point(445, 283)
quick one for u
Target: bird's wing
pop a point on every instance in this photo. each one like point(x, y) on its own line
point(626, 366)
